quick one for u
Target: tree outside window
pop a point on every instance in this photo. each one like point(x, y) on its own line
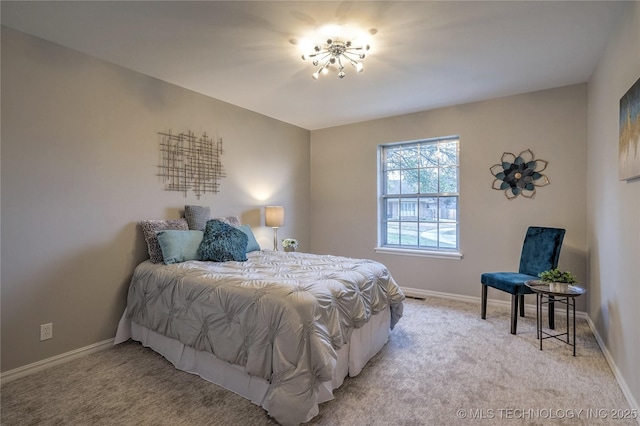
point(419, 199)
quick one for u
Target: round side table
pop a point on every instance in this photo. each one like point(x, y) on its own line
point(544, 296)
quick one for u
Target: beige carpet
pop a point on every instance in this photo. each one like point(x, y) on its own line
point(443, 365)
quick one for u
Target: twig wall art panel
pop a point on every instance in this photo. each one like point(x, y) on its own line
point(190, 162)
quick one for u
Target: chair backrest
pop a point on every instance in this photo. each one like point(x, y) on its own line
point(541, 250)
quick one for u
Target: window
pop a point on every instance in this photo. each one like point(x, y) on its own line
point(419, 195)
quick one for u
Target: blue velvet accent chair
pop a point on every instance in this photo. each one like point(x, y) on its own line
point(540, 252)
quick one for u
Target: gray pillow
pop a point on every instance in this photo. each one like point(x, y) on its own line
point(197, 217)
point(149, 229)
point(229, 220)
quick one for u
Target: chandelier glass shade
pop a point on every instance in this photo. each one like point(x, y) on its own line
point(335, 54)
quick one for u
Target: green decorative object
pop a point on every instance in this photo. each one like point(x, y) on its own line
point(557, 276)
point(521, 174)
point(290, 244)
point(558, 281)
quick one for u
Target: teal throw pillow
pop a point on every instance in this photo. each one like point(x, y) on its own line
point(179, 246)
point(222, 242)
point(252, 243)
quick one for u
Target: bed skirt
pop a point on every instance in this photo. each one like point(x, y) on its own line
point(365, 342)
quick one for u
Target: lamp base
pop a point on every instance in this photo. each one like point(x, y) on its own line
point(275, 239)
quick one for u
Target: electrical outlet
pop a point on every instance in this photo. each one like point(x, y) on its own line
point(46, 331)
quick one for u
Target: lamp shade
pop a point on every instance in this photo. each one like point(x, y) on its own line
point(274, 216)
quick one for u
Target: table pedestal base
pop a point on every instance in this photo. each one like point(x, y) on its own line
point(550, 300)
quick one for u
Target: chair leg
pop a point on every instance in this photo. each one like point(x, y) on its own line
point(483, 311)
point(522, 305)
point(552, 313)
point(514, 313)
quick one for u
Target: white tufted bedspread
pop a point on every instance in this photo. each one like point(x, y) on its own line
point(280, 315)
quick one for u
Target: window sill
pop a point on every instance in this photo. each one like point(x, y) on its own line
point(451, 255)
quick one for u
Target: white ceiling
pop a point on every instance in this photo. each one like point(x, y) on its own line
point(424, 55)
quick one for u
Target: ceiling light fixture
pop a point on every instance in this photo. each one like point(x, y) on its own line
point(335, 54)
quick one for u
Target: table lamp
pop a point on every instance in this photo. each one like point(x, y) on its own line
point(274, 217)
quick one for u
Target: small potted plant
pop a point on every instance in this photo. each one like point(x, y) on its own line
point(558, 281)
point(290, 244)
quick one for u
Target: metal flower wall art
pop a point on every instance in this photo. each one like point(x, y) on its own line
point(520, 174)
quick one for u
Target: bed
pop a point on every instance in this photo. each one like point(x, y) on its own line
point(281, 329)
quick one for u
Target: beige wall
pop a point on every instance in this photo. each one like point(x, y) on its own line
point(613, 206)
point(79, 158)
point(552, 123)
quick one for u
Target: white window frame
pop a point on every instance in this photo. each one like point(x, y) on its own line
point(405, 200)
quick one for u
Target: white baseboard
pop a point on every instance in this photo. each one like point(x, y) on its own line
point(419, 293)
point(530, 308)
point(619, 378)
point(28, 369)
